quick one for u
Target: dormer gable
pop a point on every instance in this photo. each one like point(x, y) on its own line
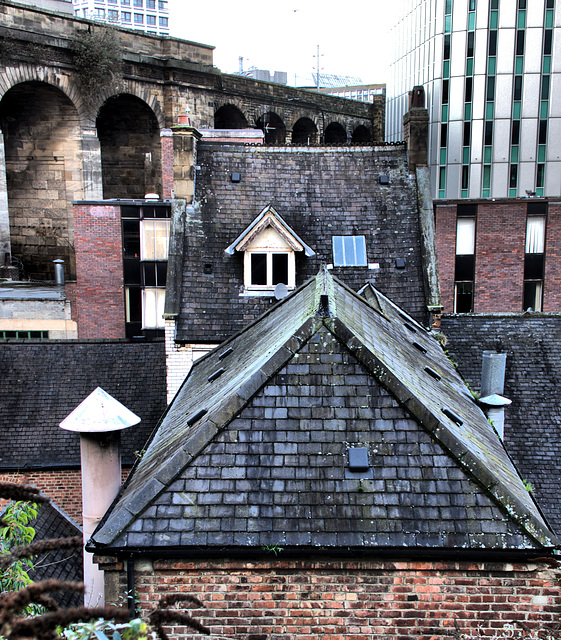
point(269, 246)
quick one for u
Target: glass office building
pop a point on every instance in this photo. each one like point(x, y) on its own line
point(491, 70)
point(150, 16)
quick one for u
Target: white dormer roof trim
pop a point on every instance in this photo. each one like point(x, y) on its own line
point(269, 218)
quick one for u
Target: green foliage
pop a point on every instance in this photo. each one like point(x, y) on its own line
point(14, 532)
point(99, 63)
point(528, 486)
point(273, 548)
point(106, 630)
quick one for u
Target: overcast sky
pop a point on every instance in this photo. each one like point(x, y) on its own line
point(353, 35)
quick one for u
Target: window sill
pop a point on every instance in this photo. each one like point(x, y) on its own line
point(264, 293)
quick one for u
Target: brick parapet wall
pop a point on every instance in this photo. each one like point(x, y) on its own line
point(62, 486)
point(552, 279)
point(351, 600)
point(99, 268)
point(445, 226)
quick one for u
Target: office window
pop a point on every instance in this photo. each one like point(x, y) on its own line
point(151, 21)
point(163, 22)
point(534, 262)
point(126, 3)
point(153, 301)
point(470, 44)
point(138, 18)
point(465, 176)
point(518, 87)
point(520, 42)
point(99, 13)
point(443, 134)
point(542, 135)
point(516, 132)
point(137, 3)
point(447, 47)
point(467, 134)
point(113, 15)
point(513, 182)
point(126, 16)
point(162, 5)
point(545, 88)
point(491, 89)
point(469, 89)
point(465, 264)
point(493, 43)
point(488, 133)
point(349, 251)
point(151, 4)
point(445, 91)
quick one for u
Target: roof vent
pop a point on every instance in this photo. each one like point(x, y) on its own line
point(400, 263)
point(454, 417)
point(215, 375)
point(419, 347)
point(236, 177)
point(410, 327)
point(383, 179)
point(225, 353)
point(196, 416)
point(433, 374)
point(358, 465)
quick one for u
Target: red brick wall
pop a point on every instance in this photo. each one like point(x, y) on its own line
point(99, 271)
point(445, 224)
point(499, 257)
point(552, 280)
point(354, 600)
point(63, 487)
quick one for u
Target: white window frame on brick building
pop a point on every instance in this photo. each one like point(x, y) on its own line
point(269, 246)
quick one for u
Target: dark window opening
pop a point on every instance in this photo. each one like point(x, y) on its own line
point(470, 43)
point(443, 134)
point(447, 47)
point(547, 39)
point(464, 297)
point(493, 42)
point(469, 89)
point(518, 87)
point(445, 91)
point(490, 88)
point(465, 177)
point(280, 268)
point(545, 87)
point(467, 134)
point(540, 175)
point(533, 291)
point(489, 133)
point(542, 137)
point(515, 131)
point(465, 267)
point(259, 269)
point(513, 176)
point(534, 266)
point(520, 42)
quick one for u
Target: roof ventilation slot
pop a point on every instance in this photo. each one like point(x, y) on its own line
point(454, 417)
point(225, 354)
point(359, 465)
point(419, 347)
point(434, 375)
point(213, 376)
point(196, 416)
point(410, 327)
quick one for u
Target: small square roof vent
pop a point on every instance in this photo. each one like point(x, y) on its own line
point(358, 463)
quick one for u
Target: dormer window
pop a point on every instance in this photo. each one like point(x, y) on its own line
point(269, 246)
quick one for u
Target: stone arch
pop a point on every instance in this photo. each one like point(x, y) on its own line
point(335, 134)
point(229, 116)
point(273, 127)
point(131, 156)
point(304, 131)
point(361, 134)
point(43, 158)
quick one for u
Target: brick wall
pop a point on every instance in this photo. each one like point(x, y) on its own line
point(63, 486)
point(499, 256)
point(351, 600)
point(99, 269)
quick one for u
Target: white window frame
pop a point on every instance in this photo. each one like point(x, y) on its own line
point(347, 261)
point(153, 301)
point(249, 286)
point(158, 249)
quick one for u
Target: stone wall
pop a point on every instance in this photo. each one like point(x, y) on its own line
point(337, 599)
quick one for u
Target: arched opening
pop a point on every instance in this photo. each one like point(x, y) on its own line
point(42, 149)
point(273, 128)
point(361, 134)
point(131, 157)
point(230, 117)
point(335, 134)
point(304, 131)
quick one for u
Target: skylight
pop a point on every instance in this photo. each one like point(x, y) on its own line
point(349, 251)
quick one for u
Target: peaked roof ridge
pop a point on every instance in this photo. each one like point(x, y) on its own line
point(268, 217)
point(186, 428)
point(436, 397)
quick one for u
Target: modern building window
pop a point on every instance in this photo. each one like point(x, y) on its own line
point(126, 3)
point(488, 133)
point(163, 22)
point(470, 44)
point(349, 251)
point(469, 89)
point(467, 134)
point(137, 3)
point(126, 16)
point(162, 5)
point(138, 18)
point(145, 255)
point(151, 21)
point(520, 42)
point(447, 47)
point(516, 132)
point(518, 87)
point(151, 4)
point(113, 15)
point(99, 14)
point(534, 262)
point(493, 42)
point(465, 262)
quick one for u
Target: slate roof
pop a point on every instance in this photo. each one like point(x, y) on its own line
point(253, 449)
point(61, 564)
point(533, 378)
point(331, 192)
point(42, 382)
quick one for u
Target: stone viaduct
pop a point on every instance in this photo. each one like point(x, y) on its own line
point(86, 112)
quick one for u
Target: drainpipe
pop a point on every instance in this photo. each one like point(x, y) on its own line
point(492, 387)
point(99, 419)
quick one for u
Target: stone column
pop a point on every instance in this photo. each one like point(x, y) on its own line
point(185, 140)
point(416, 130)
point(5, 248)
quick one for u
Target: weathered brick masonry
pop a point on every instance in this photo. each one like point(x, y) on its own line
point(352, 600)
point(99, 268)
point(499, 256)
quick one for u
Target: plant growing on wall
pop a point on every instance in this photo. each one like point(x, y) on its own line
point(99, 63)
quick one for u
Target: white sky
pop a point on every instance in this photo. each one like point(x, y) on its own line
point(353, 35)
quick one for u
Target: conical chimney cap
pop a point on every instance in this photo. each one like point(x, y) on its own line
point(99, 412)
